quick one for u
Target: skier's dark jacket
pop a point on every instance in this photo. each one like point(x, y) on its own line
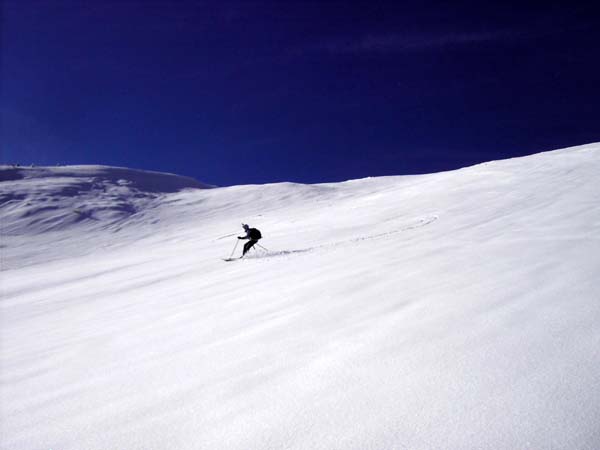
point(253, 234)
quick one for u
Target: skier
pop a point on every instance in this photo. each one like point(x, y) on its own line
point(252, 234)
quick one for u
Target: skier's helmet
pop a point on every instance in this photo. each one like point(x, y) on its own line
point(245, 226)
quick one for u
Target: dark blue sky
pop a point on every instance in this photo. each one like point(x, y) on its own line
point(252, 92)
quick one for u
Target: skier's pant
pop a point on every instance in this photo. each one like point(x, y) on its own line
point(248, 245)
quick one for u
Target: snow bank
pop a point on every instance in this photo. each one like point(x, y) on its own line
point(454, 310)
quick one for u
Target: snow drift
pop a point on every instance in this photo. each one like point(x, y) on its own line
point(454, 310)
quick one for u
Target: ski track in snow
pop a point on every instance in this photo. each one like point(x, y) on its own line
point(264, 253)
point(456, 310)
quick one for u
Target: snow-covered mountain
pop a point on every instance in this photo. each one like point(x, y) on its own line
point(65, 204)
point(36, 200)
point(457, 310)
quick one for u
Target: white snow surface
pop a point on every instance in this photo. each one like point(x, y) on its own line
point(457, 310)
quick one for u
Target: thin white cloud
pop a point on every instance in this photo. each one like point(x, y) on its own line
point(398, 43)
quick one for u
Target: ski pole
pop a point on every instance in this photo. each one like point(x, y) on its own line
point(265, 249)
point(237, 241)
point(226, 236)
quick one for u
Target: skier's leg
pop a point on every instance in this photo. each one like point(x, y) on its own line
point(252, 244)
point(248, 245)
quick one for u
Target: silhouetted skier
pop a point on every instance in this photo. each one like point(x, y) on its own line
point(251, 233)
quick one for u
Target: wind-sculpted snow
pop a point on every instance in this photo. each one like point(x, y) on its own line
point(456, 310)
point(51, 201)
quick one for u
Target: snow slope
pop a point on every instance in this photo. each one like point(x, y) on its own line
point(457, 310)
